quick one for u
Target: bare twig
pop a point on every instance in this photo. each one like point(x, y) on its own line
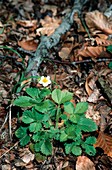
point(47, 42)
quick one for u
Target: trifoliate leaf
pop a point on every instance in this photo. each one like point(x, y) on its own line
point(21, 132)
point(87, 125)
point(43, 106)
point(63, 136)
point(76, 150)
point(45, 92)
point(90, 150)
point(33, 92)
point(69, 107)
point(31, 116)
point(90, 140)
point(61, 96)
point(110, 65)
point(24, 101)
point(36, 137)
point(37, 146)
point(40, 157)
point(68, 148)
point(25, 141)
point(81, 107)
point(28, 117)
point(109, 48)
point(46, 148)
point(35, 127)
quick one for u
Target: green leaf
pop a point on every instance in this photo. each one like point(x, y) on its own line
point(61, 96)
point(110, 65)
point(90, 140)
point(46, 148)
point(40, 157)
point(21, 132)
point(28, 117)
point(33, 92)
point(36, 137)
point(37, 146)
point(25, 141)
point(43, 107)
point(81, 107)
point(63, 136)
point(68, 148)
point(35, 127)
point(45, 92)
point(109, 48)
point(69, 107)
point(87, 125)
point(90, 150)
point(76, 150)
point(31, 116)
point(39, 136)
point(78, 133)
point(70, 131)
point(74, 118)
point(23, 101)
point(1, 30)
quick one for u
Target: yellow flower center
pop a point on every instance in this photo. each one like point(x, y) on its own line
point(45, 80)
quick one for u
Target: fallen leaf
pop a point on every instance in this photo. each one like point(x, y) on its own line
point(103, 42)
point(87, 87)
point(91, 51)
point(26, 156)
point(84, 163)
point(64, 53)
point(49, 25)
point(104, 141)
point(98, 20)
point(29, 45)
point(27, 23)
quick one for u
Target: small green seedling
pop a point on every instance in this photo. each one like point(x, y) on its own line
point(49, 117)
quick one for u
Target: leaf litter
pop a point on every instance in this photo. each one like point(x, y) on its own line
point(22, 25)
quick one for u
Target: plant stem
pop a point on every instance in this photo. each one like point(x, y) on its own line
point(57, 116)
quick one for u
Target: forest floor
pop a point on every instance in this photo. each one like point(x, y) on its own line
point(81, 63)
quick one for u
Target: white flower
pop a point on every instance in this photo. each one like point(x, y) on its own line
point(45, 81)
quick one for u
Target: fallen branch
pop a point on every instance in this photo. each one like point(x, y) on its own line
point(47, 42)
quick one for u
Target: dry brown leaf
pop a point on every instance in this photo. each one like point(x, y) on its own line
point(6, 167)
point(84, 163)
point(26, 156)
point(103, 42)
point(104, 141)
point(94, 96)
point(91, 51)
point(25, 82)
point(29, 45)
point(97, 20)
point(102, 36)
point(52, 8)
point(64, 53)
point(28, 24)
point(49, 25)
point(87, 87)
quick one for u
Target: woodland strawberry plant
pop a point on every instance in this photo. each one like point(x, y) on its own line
point(49, 116)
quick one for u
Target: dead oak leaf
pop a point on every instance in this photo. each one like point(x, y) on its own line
point(91, 51)
point(32, 24)
point(103, 42)
point(84, 163)
point(104, 141)
point(49, 25)
point(98, 20)
point(29, 45)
